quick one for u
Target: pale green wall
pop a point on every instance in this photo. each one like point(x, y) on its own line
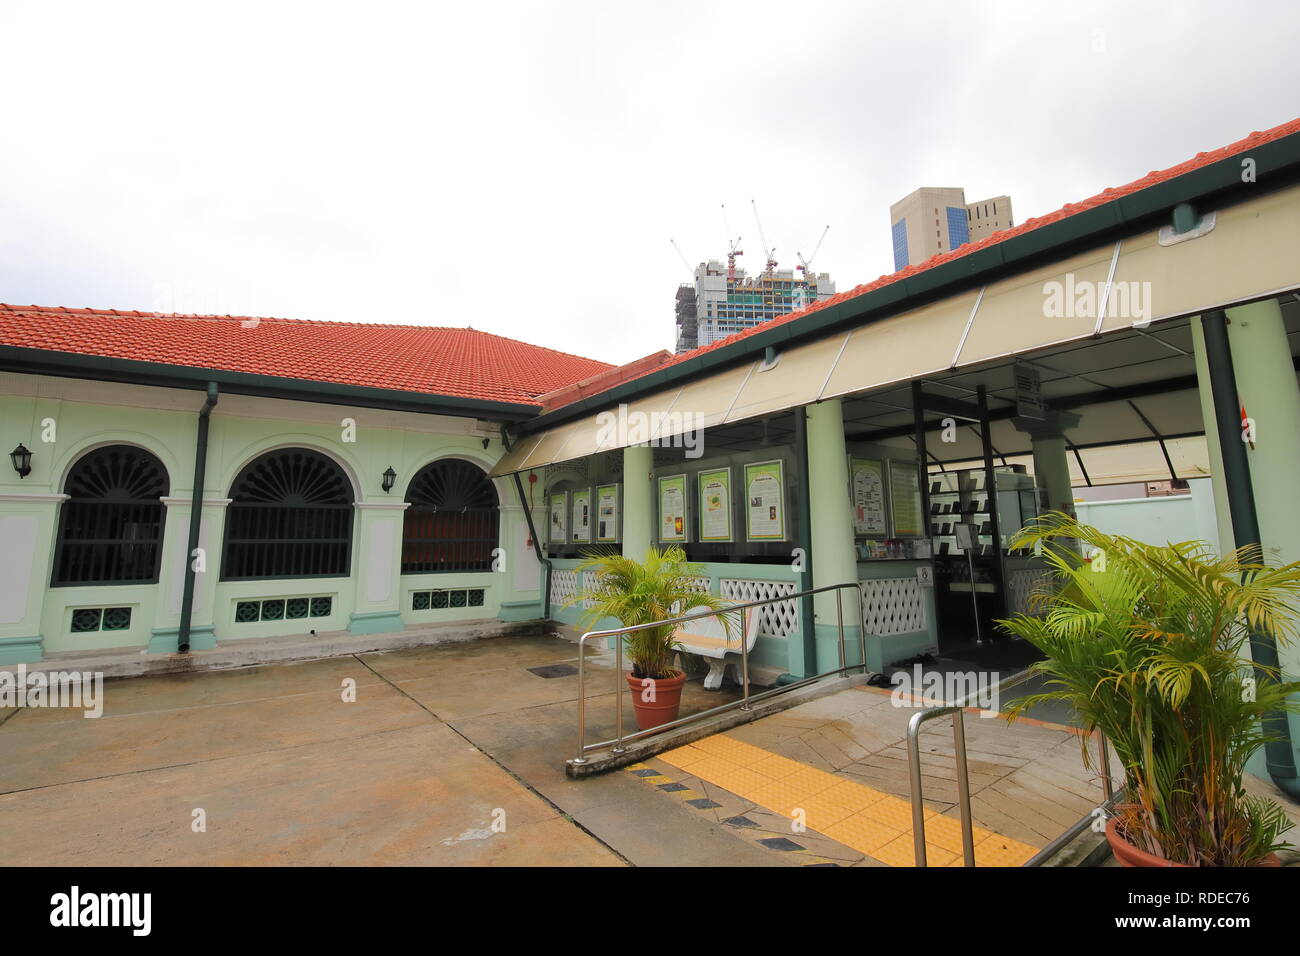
point(374, 597)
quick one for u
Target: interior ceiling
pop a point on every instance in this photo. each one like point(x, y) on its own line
point(1130, 388)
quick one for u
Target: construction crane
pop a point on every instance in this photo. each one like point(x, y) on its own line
point(805, 265)
point(733, 247)
point(768, 251)
point(681, 255)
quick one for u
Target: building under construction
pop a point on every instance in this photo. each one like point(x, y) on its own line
point(726, 300)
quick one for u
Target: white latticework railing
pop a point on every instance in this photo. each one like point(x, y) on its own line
point(775, 620)
point(892, 606)
point(564, 587)
point(1022, 585)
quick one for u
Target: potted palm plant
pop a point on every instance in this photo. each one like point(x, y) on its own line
point(639, 592)
point(1149, 645)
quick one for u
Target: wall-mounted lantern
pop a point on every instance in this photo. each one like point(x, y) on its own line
point(390, 477)
point(22, 460)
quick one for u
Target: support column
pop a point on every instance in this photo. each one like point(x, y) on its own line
point(834, 558)
point(376, 608)
point(1051, 459)
point(639, 508)
point(27, 530)
point(1222, 511)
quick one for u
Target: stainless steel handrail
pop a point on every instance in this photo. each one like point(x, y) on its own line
point(958, 711)
point(616, 744)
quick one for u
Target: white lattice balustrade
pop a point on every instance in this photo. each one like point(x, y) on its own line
point(775, 620)
point(892, 606)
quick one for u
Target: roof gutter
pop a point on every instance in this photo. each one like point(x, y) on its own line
point(31, 361)
point(1277, 165)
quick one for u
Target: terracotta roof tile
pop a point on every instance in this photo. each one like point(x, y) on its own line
point(465, 363)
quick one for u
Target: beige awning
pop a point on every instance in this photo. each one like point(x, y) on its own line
point(1249, 253)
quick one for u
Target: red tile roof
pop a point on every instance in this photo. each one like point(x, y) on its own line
point(613, 377)
point(465, 363)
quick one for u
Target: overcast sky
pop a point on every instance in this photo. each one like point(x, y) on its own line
point(521, 167)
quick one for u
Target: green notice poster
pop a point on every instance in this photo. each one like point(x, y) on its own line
point(905, 498)
point(607, 513)
point(582, 516)
point(715, 505)
point(672, 508)
point(765, 501)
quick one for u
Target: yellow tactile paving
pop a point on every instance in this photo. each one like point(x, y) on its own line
point(851, 813)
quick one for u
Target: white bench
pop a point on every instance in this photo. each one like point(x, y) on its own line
point(707, 638)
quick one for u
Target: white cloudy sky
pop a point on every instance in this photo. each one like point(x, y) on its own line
point(520, 167)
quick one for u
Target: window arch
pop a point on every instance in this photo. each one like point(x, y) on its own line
point(290, 516)
point(452, 521)
point(111, 526)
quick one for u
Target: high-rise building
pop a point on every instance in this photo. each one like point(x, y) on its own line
point(725, 300)
point(936, 219)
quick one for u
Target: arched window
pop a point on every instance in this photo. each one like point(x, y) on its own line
point(290, 516)
point(110, 528)
point(452, 522)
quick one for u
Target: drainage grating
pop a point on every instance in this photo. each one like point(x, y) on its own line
point(554, 670)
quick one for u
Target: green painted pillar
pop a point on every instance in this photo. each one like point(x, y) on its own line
point(1267, 389)
point(1051, 459)
point(1222, 513)
point(834, 558)
point(638, 501)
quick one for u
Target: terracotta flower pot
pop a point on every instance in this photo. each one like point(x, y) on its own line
point(666, 694)
point(1129, 855)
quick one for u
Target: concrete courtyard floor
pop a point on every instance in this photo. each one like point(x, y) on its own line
point(440, 743)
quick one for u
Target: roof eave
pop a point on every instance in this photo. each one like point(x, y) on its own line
point(1218, 184)
point(33, 361)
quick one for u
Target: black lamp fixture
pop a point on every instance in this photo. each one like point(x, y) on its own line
point(390, 477)
point(22, 459)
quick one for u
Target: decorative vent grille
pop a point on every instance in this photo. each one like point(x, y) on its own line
point(892, 606)
point(775, 620)
point(283, 609)
point(89, 619)
point(446, 598)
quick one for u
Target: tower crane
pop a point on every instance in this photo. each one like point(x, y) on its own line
point(768, 251)
point(805, 265)
point(733, 247)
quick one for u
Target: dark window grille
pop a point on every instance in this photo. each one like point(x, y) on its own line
point(290, 516)
point(110, 528)
point(453, 520)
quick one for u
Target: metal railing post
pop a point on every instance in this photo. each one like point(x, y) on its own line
point(839, 620)
point(620, 679)
point(1107, 785)
point(582, 701)
point(914, 771)
point(963, 786)
point(744, 662)
point(862, 627)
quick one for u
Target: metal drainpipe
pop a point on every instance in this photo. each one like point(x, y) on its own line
point(804, 505)
point(1245, 528)
point(532, 531)
point(196, 517)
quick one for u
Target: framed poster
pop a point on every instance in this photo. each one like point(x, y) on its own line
point(560, 517)
point(672, 508)
point(905, 499)
point(765, 501)
point(582, 516)
point(715, 504)
point(607, 514)
point(867, 480)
